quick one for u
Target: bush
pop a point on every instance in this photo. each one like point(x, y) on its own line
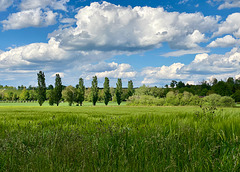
point(217, 100)
point(145, 100)
point(227, 101)
point(183, 99)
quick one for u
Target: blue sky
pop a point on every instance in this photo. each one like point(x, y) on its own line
point(148, 41)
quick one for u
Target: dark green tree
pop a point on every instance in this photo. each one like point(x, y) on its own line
point(94, 90)
point(80, 92)
point(173, 83)
point(180, 84)
point(106, 89)
point(119, 91)
point(130, 88)
point(51, 97)
point(41, 90)
point(58, 89)
point(236, 96)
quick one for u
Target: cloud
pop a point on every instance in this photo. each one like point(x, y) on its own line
point(226, 41)
point(184, 52)
point(133, 29)
point(155, 74)
point(54, 4)
point(33, 55)
point(229, 4)
point(61, 74)
point(183, 1)
point(205, 64)
point(29, 18)
point(230, 26)
point(225, 3)
point(110, 70)
point(4, 4)
point(202, 67)
point(68, 20)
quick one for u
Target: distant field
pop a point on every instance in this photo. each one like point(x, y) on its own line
point(118, 138)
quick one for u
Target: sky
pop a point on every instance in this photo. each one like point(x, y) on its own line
point(150, 42)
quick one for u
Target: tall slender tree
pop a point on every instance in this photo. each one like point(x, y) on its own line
point(130, 88)
point(41, 90)
point(80, 92)
point(119, 91)
point(106, 89)
point(58, 89)
point(94, 90)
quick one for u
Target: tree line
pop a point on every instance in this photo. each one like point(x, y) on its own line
point(58, 93)
point(77, 94)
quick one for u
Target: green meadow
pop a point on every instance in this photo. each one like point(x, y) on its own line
point(118, 138)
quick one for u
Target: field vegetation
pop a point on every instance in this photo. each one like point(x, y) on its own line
point(119, 138)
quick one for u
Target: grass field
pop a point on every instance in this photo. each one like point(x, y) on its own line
point(119, 138)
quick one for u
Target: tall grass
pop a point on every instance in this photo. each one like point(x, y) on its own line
point(119, 139)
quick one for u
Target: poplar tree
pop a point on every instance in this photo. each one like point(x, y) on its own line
point(130, 88)
point(106, 89)
point(94, 90)
point(41, 90)
point(58, 89)
point(80, 92)
point(119, 91)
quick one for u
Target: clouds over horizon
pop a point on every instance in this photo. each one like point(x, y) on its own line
point(202, 67)
point(121, 30)
point(103, 30)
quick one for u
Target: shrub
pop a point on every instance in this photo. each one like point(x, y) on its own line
point(227, 101)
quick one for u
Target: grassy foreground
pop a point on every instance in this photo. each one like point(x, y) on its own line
point(119, 138)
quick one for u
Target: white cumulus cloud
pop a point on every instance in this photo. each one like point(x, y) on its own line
point(226, 41)
point(108, 27)
point(202, 67)
point(230, 26)
point(54, 4)
point(29, 18)
point(110, 70)
point(4, 4)
point(155, 74)
point(223, 4)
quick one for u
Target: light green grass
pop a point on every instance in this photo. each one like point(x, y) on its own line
point(45, 104)
point(118, 138)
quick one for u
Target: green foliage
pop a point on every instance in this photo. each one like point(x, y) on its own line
point(236, 96)
point(119, 139)
point(145, 100)
point(52, 96)
point(58, 89)
point(183, 99)
point(94, 90)
point(106, 90)
point(119, 91)
point(172, 99)
point(24, 96)
point(80, 92)
point(41, 90)
point(69, 94)
point(130, 88)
